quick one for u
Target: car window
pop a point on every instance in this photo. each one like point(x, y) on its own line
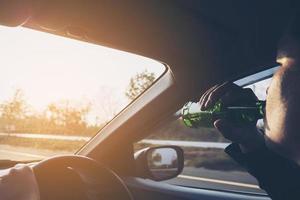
point(206, 165)
point(56, 93)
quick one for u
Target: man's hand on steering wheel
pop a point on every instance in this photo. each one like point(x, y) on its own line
point(18, 183)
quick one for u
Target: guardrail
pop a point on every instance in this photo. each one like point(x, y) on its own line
point(216, 145)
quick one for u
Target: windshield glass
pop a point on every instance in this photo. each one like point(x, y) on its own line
point(56, 93)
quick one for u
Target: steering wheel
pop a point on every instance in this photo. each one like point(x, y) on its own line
point(77, 177)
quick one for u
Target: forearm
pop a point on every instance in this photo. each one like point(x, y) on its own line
point(278, 176)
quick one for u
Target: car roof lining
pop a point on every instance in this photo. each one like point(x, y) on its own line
point(104, 20)
point(228, 39)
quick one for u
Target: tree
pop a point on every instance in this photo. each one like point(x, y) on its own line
point(107, 104)
point(14, 110)
point(68, 118)
point(139, 83)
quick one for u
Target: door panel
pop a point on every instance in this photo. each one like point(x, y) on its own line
point(148, 190)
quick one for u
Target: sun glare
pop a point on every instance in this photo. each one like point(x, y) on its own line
point(56, 93)
point(49, 69)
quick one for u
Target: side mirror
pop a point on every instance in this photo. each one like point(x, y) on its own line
point(159, 163)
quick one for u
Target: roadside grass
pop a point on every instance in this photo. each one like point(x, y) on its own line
point(42, 144)
point(213, 161)
point(210, 158)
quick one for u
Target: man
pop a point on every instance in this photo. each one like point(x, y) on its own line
point(18, 183)
point(273, 157)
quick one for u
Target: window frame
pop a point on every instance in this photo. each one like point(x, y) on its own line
point(242, 82)
point(256, 77)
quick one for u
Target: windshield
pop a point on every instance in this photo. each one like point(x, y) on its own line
point(56, 93)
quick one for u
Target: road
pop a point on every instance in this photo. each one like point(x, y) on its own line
point(19, 153)
point(221, 180)
point(194, 177)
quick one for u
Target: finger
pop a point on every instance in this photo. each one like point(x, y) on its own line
point(220, 91)
point(217, 91)
point(13, 172)
point(205, 96)
point(245, 97)
point(249, 94)
point(206, 93)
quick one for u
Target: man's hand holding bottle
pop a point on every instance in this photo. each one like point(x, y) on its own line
point(246, 135)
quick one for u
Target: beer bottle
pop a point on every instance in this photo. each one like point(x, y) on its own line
point(194, 117)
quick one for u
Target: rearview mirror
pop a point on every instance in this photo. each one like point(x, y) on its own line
point(159, 163)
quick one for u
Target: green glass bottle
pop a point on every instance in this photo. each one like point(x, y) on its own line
point(194, 117)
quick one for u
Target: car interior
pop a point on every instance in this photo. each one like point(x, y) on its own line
point(200, 43)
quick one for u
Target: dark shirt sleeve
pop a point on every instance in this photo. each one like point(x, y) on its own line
point(278, 176)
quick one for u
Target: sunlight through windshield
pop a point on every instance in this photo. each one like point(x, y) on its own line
point(55, 92)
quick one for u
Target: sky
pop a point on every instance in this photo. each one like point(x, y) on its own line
point(260, 88)
point(49, 68)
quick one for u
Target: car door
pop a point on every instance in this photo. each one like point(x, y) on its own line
point(208, 172)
